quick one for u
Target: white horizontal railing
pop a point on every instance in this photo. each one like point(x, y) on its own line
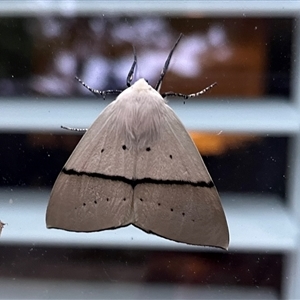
point(272, 117)
point(240, 8)
point(24, 210)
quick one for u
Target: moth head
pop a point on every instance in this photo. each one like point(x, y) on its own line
point(141, 85)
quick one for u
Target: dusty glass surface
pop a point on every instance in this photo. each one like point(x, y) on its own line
point(248, 57)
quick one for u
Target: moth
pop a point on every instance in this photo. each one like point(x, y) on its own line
point(137, 165)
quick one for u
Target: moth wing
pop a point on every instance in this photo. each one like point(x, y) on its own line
point(181, 202)
point(101, 148)
point(85, 197)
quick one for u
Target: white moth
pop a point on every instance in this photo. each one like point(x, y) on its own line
point(137, 165)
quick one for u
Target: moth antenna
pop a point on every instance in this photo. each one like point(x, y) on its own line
point(171, 94)
point(74, 129)
point(166, 65)
point(132, 69)
point(97, 92)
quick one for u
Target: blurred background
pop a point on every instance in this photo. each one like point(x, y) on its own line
point(246, 128)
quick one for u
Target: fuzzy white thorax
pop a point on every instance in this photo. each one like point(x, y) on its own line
point(139, 111)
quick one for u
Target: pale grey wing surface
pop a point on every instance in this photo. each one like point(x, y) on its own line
point(84, 203)
point(182, 213)
point(90, 193)
point(174, 156)
point(102, 149)
point(178, 200)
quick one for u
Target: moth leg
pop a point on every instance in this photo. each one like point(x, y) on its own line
point(74, 129)
point(97, 92)
point(184, 96)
